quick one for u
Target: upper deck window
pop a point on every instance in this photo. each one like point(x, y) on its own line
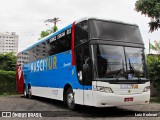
point(54, 45)
point(81, 32)
point(114, 31)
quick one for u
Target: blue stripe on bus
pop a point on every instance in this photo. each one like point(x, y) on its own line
point(55, 74)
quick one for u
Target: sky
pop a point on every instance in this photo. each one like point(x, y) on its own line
point(26, 17)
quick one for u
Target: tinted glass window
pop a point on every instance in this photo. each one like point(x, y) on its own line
point(135, 59)
point(110, 60)
point(81, 33)
point(22, 58)
point(108, 30)
point(39, 51)
point(54, 45)
point(113, 61)
point(63, 43)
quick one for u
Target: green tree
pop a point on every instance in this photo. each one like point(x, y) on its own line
point(151, 8)
point(49, 31)
point(55, 28)
point(8, 62)
point(153, 62)
point(155, 46)
point(44, 33)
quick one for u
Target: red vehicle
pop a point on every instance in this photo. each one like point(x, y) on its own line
point(19, 78)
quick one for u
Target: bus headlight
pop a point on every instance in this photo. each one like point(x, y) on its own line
point(102, 89)
point(146, 89)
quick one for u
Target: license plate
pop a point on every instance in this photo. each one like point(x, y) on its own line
point(128, 99)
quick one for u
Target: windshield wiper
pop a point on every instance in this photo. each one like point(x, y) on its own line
point(121, 71)
point(133, 71)
point(131, 67)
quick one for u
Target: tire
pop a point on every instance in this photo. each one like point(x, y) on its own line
point(25, 91)
point(70, 102)
point(30, 93)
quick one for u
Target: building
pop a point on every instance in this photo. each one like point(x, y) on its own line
point(9, 42)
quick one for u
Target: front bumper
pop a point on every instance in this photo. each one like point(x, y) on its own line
point(102, 99)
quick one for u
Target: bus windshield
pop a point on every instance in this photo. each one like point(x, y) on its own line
point(119, 61)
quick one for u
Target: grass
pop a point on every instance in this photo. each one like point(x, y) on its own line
point(6, 94)
point(155, 100)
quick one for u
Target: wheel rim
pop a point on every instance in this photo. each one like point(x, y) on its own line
point(70, 99)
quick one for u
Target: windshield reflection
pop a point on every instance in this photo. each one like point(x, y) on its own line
point(119, 61)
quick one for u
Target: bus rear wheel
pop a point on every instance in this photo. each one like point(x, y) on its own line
point(70, 102)
point(25, 91)
point(30, 92)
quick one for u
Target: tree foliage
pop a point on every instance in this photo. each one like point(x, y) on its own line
point(7, 73)
point(155, 46)
point(153, 62)
point(44, 33)
point(49, 31)
point(7, 82)
point(55, 28)
point(8, 62)
point(151, 8)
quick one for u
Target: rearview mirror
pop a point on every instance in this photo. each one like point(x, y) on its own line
point(87, 72)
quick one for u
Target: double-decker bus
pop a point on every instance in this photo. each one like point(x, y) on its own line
point(94, 62)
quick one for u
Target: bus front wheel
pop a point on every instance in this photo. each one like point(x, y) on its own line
point(70, 99)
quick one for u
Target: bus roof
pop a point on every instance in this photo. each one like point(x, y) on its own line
point(104, 19)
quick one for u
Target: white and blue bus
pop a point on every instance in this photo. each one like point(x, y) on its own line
point(92, 62)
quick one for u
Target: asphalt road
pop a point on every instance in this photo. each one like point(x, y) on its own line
point(52, 109)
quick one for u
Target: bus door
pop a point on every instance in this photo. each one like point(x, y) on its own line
point(84, 73)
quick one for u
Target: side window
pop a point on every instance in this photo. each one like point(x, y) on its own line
point(23, 58)
point(61, 44)
point(54, 45)
point(65, 43)
point(81, 33)
point(38, 52)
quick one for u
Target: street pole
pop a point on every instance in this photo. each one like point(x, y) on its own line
point(54, 20)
